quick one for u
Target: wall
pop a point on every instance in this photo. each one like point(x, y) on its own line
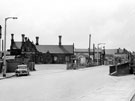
point(120, 69)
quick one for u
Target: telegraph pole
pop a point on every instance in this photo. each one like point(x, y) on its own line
point(94, 53)
point(89, 45)
point(0, 36)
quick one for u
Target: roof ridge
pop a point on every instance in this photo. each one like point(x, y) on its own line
point(54, 45)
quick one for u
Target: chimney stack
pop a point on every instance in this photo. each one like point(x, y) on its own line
point(25, 39)
point(23, 36)
point(12, 38)
point(60, 40)
point(37, 39)
point(12, 41)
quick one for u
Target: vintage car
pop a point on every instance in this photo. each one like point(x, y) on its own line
point(22, 70)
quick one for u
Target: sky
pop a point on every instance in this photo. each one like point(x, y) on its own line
point(108, 21)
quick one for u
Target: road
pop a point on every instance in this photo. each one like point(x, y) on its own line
point(55, 83)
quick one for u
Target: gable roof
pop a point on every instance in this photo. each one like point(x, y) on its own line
point(17, 45)
point(67, 49)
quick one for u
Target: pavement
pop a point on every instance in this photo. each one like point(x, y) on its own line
point(122, 90)
point(8, 75)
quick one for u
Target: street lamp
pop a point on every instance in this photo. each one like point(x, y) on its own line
point(4, 62)
point(98, 50)
point(0, 36)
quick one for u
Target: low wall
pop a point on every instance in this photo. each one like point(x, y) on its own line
point(1, 64)
point(12, 65)
point(112, 69)
point(120, 69)
point(132, 69)
point(123, 68)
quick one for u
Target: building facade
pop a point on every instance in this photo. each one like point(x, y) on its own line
point(44, 54)
point(103, 56)
point(95, 56)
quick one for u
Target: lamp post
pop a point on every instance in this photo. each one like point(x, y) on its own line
point(0, 36)
point(98, 51)
point(4, 61)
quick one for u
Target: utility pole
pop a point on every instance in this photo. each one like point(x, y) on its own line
point(0, 36)
point(97, 53)
point(4, 61)
point(89, 45)
point(103, 55)
point(93, 53)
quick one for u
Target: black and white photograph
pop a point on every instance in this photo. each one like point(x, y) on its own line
point(67, 50)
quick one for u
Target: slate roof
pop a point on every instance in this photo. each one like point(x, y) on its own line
point(110, 51)
point(86, 50)
point(107, 51)
point(63, 49)
point(17, 45)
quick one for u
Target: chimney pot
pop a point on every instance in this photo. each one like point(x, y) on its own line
point(12, 36)
point(25, 39)
point(60, 40)
point(23, 36)
point(37, 40)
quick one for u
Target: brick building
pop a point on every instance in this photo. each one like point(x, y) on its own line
point(41, 53)
point(107, 56)
point(95, 54)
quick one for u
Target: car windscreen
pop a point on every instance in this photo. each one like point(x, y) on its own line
point(22, 67)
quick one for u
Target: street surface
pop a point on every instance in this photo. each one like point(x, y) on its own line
point(55, 83)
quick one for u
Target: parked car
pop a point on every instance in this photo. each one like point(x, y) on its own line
point(22, 70)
